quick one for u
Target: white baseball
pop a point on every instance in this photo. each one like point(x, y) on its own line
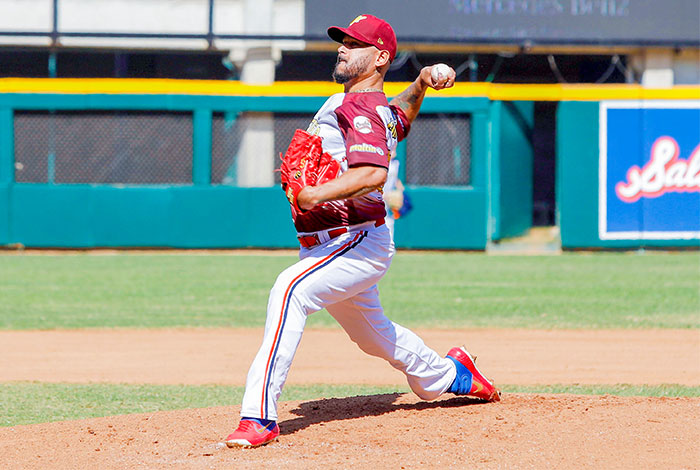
point(439, 73)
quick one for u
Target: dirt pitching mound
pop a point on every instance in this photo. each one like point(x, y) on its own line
point(223, 356)
point(392, 431)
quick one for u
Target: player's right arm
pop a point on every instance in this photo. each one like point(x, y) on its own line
point(410, 100)
point(355, 182)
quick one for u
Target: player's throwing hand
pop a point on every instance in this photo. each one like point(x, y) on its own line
point(438, 76)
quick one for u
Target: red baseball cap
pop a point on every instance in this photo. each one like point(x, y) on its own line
point(369, 29)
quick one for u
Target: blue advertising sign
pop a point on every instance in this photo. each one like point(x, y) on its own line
point(649, 185)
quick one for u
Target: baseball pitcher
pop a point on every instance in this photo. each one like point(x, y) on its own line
point(332, 175)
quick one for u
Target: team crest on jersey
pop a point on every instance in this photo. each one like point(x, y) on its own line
point(362, 124)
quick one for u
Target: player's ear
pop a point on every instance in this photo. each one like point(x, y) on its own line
point(382, 59)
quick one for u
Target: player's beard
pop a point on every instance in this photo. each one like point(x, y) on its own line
point(352, 69)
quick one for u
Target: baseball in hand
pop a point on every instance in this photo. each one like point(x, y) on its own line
point(439, 73)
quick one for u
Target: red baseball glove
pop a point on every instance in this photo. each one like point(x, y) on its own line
point(305, 164)
point(328, 169)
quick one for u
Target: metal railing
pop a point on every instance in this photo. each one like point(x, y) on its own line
point(210, 36)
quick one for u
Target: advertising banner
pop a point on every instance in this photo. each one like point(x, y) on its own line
point(649, 170)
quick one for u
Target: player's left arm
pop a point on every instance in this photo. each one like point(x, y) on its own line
point(355, 182)
point(411, 99)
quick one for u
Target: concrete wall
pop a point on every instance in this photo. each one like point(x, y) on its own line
point(285, 17)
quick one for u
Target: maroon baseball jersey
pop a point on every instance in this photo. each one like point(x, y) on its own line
point(357, 129)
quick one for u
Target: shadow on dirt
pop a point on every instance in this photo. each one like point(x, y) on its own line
point(337, 409)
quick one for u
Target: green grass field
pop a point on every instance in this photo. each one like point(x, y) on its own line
point(27, 403)
point(441, 290)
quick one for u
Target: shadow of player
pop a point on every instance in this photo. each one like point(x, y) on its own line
point(337, 409)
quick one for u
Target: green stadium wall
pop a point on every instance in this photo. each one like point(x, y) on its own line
point(512, 163)
point(202, 215)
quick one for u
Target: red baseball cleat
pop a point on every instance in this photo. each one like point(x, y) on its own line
point(469, 380)
point(252, 434)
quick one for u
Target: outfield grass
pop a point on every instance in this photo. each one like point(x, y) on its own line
point(444, 290)
point(31, 402)
point(28, 403)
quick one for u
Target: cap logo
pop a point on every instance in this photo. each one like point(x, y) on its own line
point(379, 40)
point(359, 18)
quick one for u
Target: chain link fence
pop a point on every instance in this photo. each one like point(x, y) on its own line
point(103, 147)
point(438, 150)
point(271, 133)
point(118, 147)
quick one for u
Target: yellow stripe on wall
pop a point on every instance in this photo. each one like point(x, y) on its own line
point(493, 91)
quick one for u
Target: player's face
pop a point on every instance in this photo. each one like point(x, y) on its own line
point(355, 59)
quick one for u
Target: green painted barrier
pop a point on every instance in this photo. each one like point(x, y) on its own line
point(512, 160)
point(203, 215)
point(86, 216)
point(577, 174)
point(4, 213)
point(444, 218)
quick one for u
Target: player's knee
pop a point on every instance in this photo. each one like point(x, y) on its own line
point(425, 394)
point(280, 287)
point(283, 291)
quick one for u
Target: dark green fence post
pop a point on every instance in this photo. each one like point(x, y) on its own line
point(7, 172)
point(201, 146)
point(6, 146)
point(481, 161)
point(401, 157)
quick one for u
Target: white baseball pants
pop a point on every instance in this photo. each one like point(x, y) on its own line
point(341, 276)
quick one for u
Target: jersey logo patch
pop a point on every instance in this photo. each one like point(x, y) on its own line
point(366, 148)
point(362, 124)
point(391, 125)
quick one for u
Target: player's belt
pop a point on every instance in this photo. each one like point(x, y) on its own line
point(313, 239)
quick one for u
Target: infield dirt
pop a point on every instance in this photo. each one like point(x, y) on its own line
point(389, 431)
